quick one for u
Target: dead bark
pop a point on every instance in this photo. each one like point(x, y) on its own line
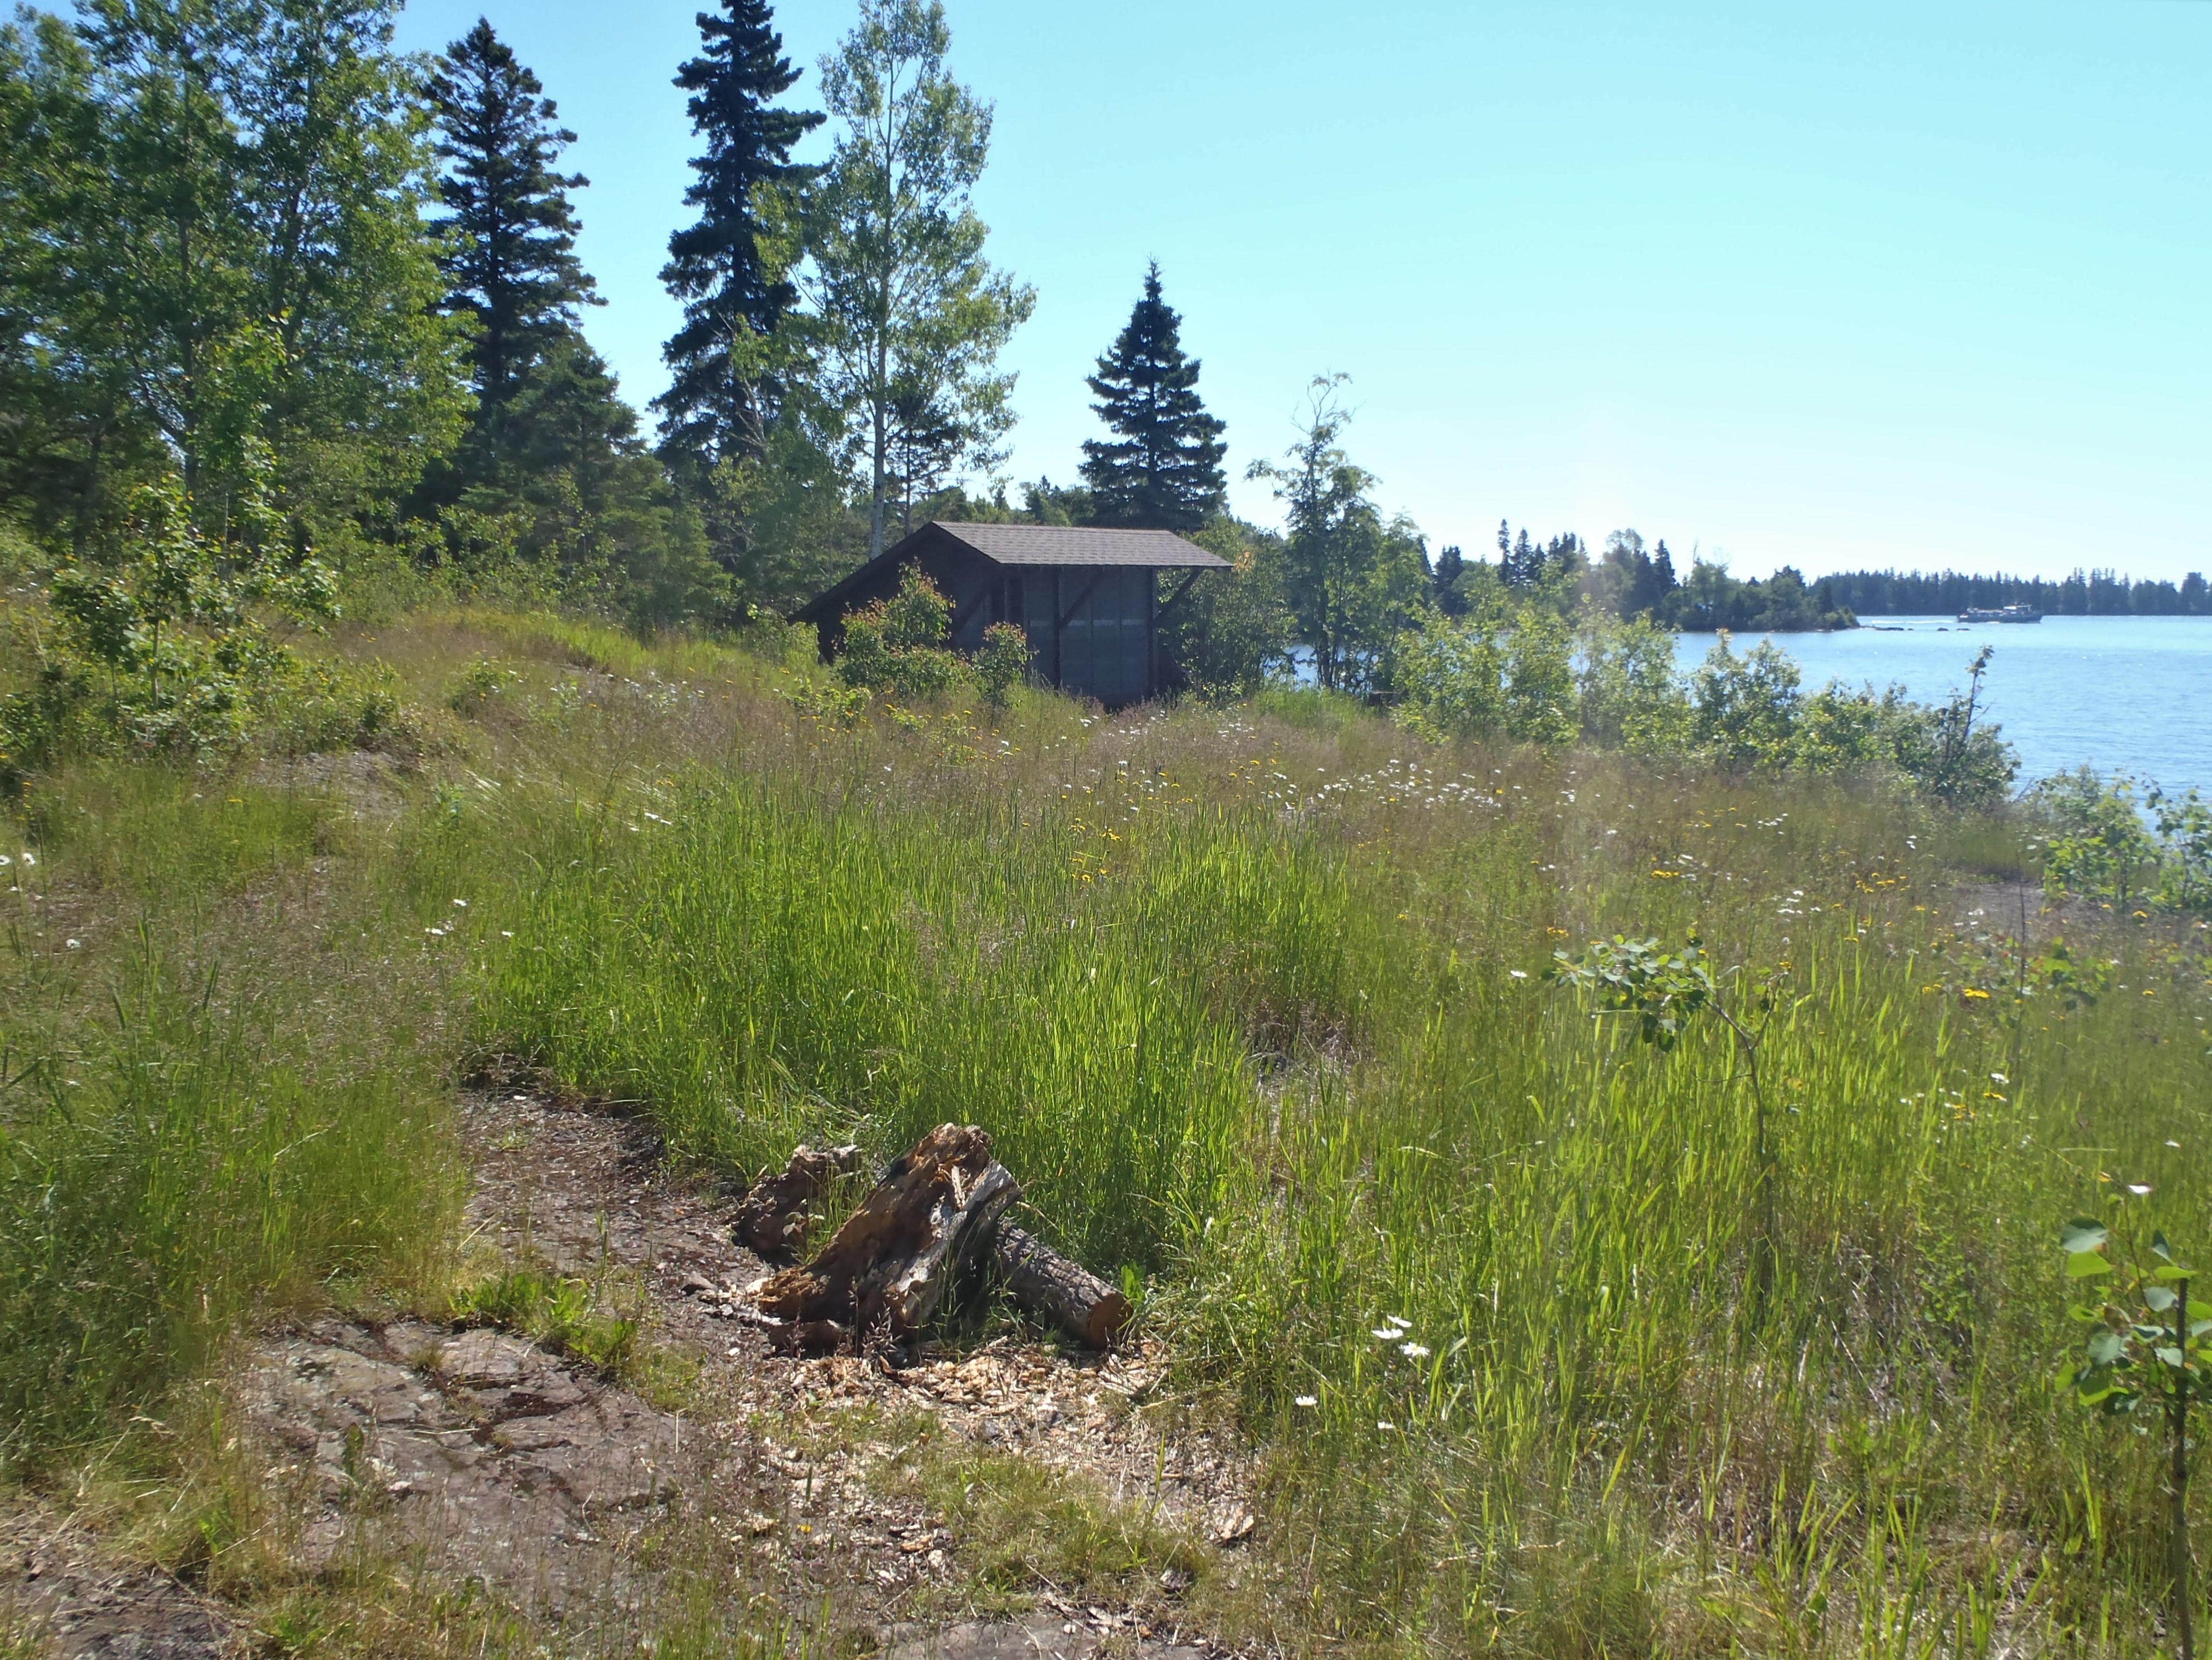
point(932, 1212)
point(772, 1217)
point(1066, 1293)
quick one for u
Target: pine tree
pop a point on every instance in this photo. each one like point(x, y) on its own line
point(720, 400)
point(1165, 471)
point(511, 255)
point(1445, 581)
point(1524, 563)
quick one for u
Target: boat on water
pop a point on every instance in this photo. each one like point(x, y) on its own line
point(2009, 614)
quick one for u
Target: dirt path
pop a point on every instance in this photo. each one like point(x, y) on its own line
point(589, 1192)
point(61, 1587)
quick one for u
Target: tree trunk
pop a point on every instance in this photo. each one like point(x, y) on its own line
point(1047, 1284)
point(878, 398)
point(930, 1215)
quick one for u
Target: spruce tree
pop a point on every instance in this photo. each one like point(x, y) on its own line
point(1445, 582)
point(510, 260)
point(1164, 471)
point(720, 400)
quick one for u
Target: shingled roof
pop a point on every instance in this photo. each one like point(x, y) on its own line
point(1076, 546)
point(1080, 545)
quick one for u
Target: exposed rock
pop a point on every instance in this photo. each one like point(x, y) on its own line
point(479, 1440)
point(1044, 1635)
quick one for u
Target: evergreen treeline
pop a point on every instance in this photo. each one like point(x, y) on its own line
point(1634, 582)
point(2084, 593)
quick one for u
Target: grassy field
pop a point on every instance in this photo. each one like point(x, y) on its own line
point(1253, 1000)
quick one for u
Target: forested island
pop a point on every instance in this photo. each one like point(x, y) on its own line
point(2083, 593)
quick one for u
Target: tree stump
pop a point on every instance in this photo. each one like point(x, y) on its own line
point(932, 1212)
point(772, 1217)
point(1066, 1293)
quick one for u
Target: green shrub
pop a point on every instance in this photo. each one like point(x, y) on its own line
point(1631, 694)
point(479, 684)
point(1002, 663)
point(2106, 842)
point(1744, 709)
point(164, 646)
point(1230, 635)
point(896, 646)
point(326, 707)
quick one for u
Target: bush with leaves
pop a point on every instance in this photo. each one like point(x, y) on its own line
point(1002, 663)
point(1744, 708)
point(1508, 671)
point(1230, 632)
point(2107, 842)
point(1451, 680)
point(896, 646)
point(1631, 695)
point(165, 645)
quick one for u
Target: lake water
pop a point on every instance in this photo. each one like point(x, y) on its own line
point(2127, 693)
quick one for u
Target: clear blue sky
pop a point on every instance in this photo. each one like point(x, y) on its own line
point(1919, 283)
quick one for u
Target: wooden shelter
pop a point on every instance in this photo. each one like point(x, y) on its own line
point(1090, 600)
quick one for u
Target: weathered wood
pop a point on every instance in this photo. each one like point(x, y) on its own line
point(773, 1218)
point(1054, 1288)
point(889, 1266)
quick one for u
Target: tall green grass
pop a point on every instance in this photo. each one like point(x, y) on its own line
point(1240, 1004)
point(207, 1115)
point(761, 971)
point(1252, 1000)
point(166, 1178)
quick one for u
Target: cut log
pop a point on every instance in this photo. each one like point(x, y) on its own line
point(1054, 1288)
point(932, 1211)
point(773, 1218)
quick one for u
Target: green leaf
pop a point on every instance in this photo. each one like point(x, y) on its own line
point(2083, 1234)
point(2160, 1248)
point(2168, 1355)
point(2170, 1273)
point(2106, 1348)
point(2085, 1265)
point(2160, 1298)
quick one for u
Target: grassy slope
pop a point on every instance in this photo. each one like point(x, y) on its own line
point(1237, 992)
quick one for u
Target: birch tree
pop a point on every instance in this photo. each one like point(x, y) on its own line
point(904, 309)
